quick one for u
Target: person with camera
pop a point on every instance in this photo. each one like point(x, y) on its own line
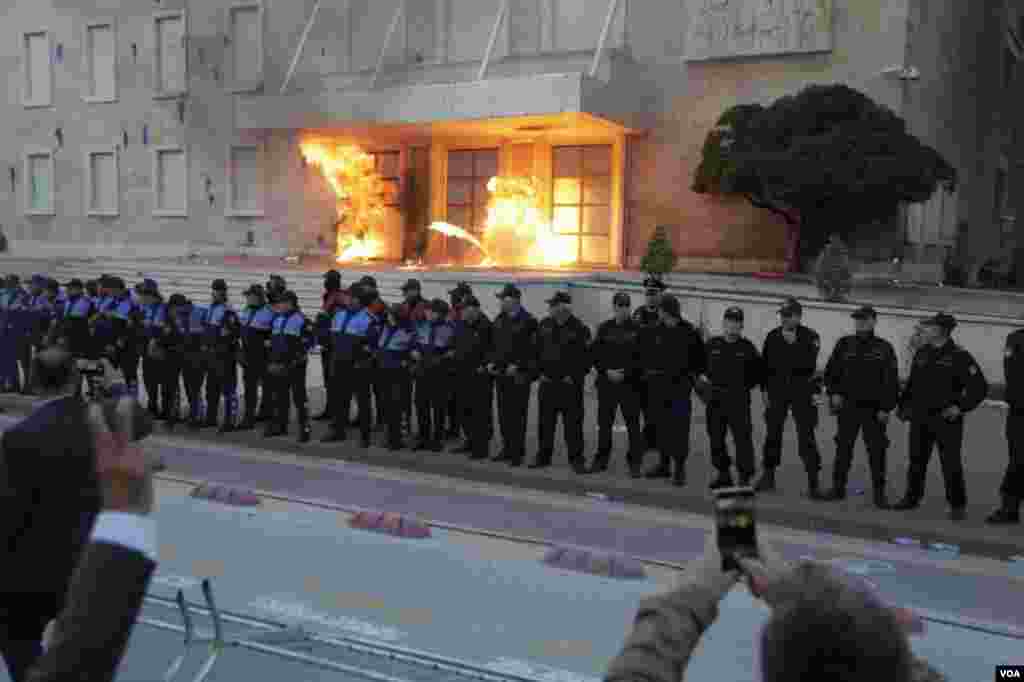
point(822, 625)
point(291, 339)
point(257, 323)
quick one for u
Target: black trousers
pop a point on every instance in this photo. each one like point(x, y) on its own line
point(671, 410)
point(926, 433)
point(152, 376)
point(391, 388)
point(476, 397)
point(650, 416)
point(352, 383)
point(513, 403)
point(612, 398)
point(554, 399)
point(805, 415)
point(731, 414)
point(288, 388)
point(222, 381)
point(433, 389)
point(253, 378)
point(1013, 480)
point(20, 640)
point(128, 362)
point(326, 365)
point(170, 387)
point(853, 420)
point(193, 374)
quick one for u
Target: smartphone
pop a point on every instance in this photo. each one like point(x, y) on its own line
point(737, 530)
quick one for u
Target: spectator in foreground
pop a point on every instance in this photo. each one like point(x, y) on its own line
point(821, 628)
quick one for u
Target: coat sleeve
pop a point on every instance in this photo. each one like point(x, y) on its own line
point(832, 374)
point(974, 382)
point(755, 369)
point(891, 390)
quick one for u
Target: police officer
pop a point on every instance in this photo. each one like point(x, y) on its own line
point(648, 316)
point(92, 290)
point(169, 340)
point(473, 343)
point(458, 408)
point(290, 342)
point(512, 364)
point(256, 321)
point(733, 370)
point(673, 357)
point(333, 299)
point(126, 318)
point(12, 304)
point(353, 337)
point(29, 337)
point(862, 382)
point(432, 357)
point(194, 370)
point(376, 307)
point(220, 343)
point(616, 355)
point(394, 346)
point(563, 362)
point(416, 310)
point(1012, 488)
point(945, 383)
point(154, 319)
point(73, 321)
point(790, 361)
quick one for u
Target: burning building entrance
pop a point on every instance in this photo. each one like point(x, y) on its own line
point(503, 193)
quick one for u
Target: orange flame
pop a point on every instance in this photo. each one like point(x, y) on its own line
point(450, 230)
point(516, 229)
point(360, 194)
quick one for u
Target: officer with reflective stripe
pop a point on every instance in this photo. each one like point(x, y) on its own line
point(220, 342)
point(945, 383)
point(862, 380)
point(433, 362)
point(353, 337)
point(1012, 488)
point(73, 323)
point(11, 301)
point(394, 347)
point(256, 320)
point(126, 319)
point(171, 338)
point(290, 342)
point(154, 319)
point(194, 368)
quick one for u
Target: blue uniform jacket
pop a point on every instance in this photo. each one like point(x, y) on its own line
point(353, 335)
point(291, 339)
point(394, 345)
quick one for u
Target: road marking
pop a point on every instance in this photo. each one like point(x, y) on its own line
point(177, 582)
point(542, 673)
point(297, 611)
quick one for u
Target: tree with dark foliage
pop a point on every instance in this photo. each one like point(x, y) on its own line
point(826, 160)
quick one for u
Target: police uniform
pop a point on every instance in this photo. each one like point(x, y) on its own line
point(790, 363)
point(170, 338)
point(291, 339)
point(434, 348)
point(256, 323)
point(353, 337)
point(456, 410)
point(648, 317)
point(73, 322)
point(733, 370)
point(1012, 488)
point(617, 348)
point(126, 319)
point(863, 372)
point(941, 378)
point(475, 386)
point(515, 344)
point(154, 321)
point(415, 309)
point(220, 342)
point(333, 299)
point(392, 358)
point(10, 306)
point(673, 356)
point(194, 369)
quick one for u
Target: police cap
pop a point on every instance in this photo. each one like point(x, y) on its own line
point(411, 285)
point(255, 290)
point(791, 306)
point(368, 281)
point(654, 284)
point(461, 289)
point(177, 300)
point(734, 313)
point(943, 321)
point(622, 298)
point(560, 297)
point(219, 285)
point(670, 305)
point(510, 291)
point(865, 312)
point(74, 284)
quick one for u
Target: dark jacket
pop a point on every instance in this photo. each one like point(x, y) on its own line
point(73, 325)
point(940, 378)
point(733, 367)
point(864, 371)
point(51, 498)
point(790, 367)
point(104, 600)
point(617, 346)
point(673, 354)
point(515, 341)
point(1013, 367)
point(473, 344)
point(563, 350)
point(645, 316)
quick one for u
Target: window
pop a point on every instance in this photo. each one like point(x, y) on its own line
point(100, 41)
point(468, 174)
point(582, 196)
point(170, 182)
point(37, 70)
point(387, 166)
point(39, 173)
point(102, 192)
point(245, 180)
point(245, 31)
point(170, 62)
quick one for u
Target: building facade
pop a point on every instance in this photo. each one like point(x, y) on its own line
point(161, 129)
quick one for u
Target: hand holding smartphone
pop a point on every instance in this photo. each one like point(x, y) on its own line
point(735, 516)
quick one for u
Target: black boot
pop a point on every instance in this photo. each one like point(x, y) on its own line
point(1007, 514)
point(766, 484)
point(600, 463)
point(663, 470)
point(335, 434)
point(813, 485)
point(679, 473)
point(578, 464)
point(722, 480)
point(636, 469)
point(906, 504)
point(543, 461)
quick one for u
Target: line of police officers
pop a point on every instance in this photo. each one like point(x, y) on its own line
point(450, 362)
